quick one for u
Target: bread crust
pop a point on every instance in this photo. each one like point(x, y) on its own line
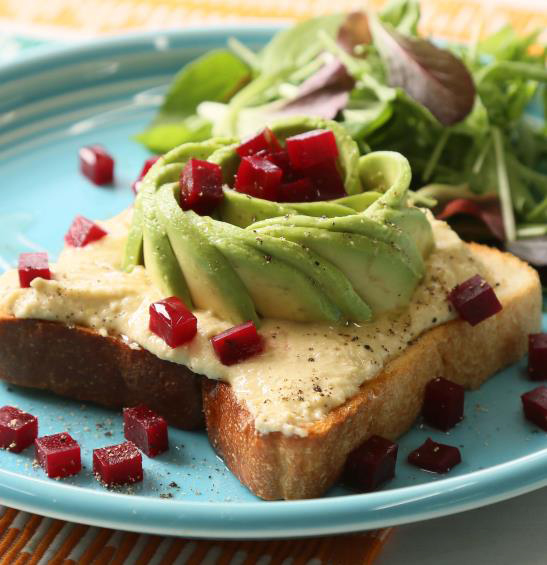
point(274, 466)
point(81, 364)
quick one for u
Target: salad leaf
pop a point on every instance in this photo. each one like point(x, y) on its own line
point(432, 76)
point(354, 32)
point(403, 15)
point(216, 76)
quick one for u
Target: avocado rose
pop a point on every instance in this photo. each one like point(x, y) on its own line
point(340, 260)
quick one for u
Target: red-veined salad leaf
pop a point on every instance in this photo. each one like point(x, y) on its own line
point(432, 76)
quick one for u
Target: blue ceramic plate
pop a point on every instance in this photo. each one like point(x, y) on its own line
point(50, 105)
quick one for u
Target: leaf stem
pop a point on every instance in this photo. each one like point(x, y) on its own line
point(479, 162)
point(436, 154)
point(504, 188)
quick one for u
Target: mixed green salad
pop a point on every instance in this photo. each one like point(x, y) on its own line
point(458, 113)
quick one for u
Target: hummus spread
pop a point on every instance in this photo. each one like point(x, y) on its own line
point(306, 369)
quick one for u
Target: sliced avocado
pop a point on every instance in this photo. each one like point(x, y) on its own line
point(348, 158)
point(378, 272)
point(325, 208)
point(278, 290)
point(133, 254)
point(166, 169)
point(228, 160)
point(161, 263)
point(356, 224)
point(358, 202)
point(212, 281)
point(331, 280)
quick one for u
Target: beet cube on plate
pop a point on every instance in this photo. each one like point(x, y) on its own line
point(311, 148)
point(172, 321)
point(474, 300)
point(537, 356)
point(18, 429)
point(237, 343)
point(33, 266)
point(146, 430)
point(371, 464)
point(534, 404)
point(82, 232)
point(118, 464)
point(96, 164)
point(262, 141)
point(58, 455)
point(435, 457)
point(443, 403)
point(200, 186)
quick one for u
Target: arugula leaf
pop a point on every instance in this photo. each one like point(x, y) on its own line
point(432, 76)
point(403, 15)
point(216, 77)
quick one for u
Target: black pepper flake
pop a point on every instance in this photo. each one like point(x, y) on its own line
point(317, 388)
point(311, 359)
point(367, 347)
point(268, 258)
point(355, 338)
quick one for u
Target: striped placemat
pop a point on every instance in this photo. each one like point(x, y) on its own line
point(33, 540)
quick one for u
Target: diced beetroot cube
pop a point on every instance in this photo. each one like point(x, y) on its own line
point(18, 429)
point(172, 321)
point(58, 455)
point(371, 464)
point(534, 404)
point(537, 356)
point(300, 190)
point(237, 343)
point(443, 403)
point(435, 457)
point(146, 430)
point(262, 141)
point(83, 231)
point(281, 159)
point(258, 177)
point(118, 464)
point(96, 164)
point(201, 186)
point(326, 179)
point(145, 168)
point(475, 300)
point(311, 148)
point(33, 266)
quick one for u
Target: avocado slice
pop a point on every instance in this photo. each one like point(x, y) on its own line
point(213, 283)
point(161, 263)
point(133, 254)
point(377, 271)
point(277, 289)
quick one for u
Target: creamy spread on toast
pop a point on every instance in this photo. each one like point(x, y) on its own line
point(306, 369)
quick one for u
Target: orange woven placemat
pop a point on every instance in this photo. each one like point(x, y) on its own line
point(31, 540)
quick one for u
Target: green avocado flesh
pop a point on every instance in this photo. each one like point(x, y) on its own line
point(344, 260)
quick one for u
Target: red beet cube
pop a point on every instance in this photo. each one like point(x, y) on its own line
point(371, 464)
point(172, 321)
point(326, 179)
point(200, 186)
point(300, 190)
point(58, 455)
point(474, 300)
point(258, 177)
point(280, 159)
point(311, 148)
point(96, 164)
point(118, 464)
point(33, 266)
point(534, 404)
point(237, 343)
point(18, 429)
point(145, 168)
point(443, 403)
point(146, 430)
point(83, 231)
point(435, 457)
point(537, 356)
point(262, 141)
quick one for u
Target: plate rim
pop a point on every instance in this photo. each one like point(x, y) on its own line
point(274, 519)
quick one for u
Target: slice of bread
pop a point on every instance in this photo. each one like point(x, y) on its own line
point(275, 466)
point(79, 363)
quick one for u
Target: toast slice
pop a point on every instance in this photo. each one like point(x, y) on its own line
point(276, 466)
point(79, 363)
